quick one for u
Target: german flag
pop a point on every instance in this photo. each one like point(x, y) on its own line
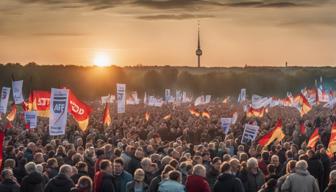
point(313, 139)
point(251, 112)
point(106, 115)
point(275, 134)
point(206, 114)
point(332, 142)
point(194, 112)
point(11, 115)
point(167, 117)
point(147, 116)
point(304, 106)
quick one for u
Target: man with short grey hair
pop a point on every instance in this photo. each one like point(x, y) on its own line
point(62, 182)
point(33, 182)
point(197, 181)
point(301, 180)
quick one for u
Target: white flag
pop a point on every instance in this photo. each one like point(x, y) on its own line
point(250, 133)
point(260, 102)
point(31, 119)
point(225, 124)
point(58, 111)
point(199, 100)
point(242, 95)
point(4, 99)
point(107, 99)
point(234, 117)
point(121, 98)
point(17, 91)
point(207, 99)
point(167, 95)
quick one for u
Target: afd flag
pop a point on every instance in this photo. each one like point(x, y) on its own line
point(121, 98)
point(17, 91)
point(58, 111)
point(31, 119)
point(4, 99)
point(225, 124)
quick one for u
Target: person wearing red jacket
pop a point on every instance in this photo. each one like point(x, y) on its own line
point(197, 182)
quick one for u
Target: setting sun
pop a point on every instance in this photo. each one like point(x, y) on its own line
point(102, 60)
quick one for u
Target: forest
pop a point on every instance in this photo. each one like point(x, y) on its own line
point(92, 82)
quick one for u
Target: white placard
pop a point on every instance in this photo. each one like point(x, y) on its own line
point(121, 98)
point(17, 91)
point(5, 91)
point(58, 111)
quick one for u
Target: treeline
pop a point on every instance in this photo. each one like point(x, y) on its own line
point(93, 82)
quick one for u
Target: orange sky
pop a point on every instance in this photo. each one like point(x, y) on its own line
point(164, 32)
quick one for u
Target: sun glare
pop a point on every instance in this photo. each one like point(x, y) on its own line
point(102, 60)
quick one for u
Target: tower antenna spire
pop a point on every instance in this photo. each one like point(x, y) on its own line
point(198, 50)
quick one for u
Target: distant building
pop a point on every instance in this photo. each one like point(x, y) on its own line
point(199, 50)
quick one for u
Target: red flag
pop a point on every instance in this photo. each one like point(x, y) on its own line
point(2, 136)
point(106, 115)
point(11, 115)
point(39, 101)
point(313, 139)
point(80, 111)
point(275, 134)
point(302, 129)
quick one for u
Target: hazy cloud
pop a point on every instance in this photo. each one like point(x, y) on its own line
point(64, 34)
point(173, 16)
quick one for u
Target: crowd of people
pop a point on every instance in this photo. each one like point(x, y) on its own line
point(180, 153)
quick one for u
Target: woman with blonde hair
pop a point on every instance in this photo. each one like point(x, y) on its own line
point(138, 183)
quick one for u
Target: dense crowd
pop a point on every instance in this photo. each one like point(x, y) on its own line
point(175, 154)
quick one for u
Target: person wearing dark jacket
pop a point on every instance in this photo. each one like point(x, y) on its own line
point(332, 182)
point(9, 183)
point(82, 171)
point(214, 171)
point(62, 182)
point(107, 180)
point(227, 182)
point(315, 167)
point(33, 182)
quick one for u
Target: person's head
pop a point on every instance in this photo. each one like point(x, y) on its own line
point(226, 168)
point(216, 163)
point(235, 165)
point(31, 146)
point(145, 164)
point(9, 164)
point(7, 174)
point(275, 160)
point(290, 167)
point(199, 170)
point(139, 175)
point(175, 176)
point(84, 184)
point(105, 166)
point(252, 164)
point(38, 158)
point(301, 165)
point(30, 167)
point(289, 155)
point(118, 166)
point(332, 177)
point(66, 170)
point(139, 153)
point(271, 169)
point(52, 163)
point(82, 166)
point(166, 170)
point(174, 163)
point(310, 154)
point(243, 156)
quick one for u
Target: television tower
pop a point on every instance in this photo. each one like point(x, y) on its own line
point(199, 50)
